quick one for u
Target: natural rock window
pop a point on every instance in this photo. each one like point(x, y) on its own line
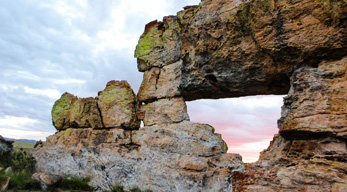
point(247, 124)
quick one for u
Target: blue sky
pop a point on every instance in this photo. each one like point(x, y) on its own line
point(53, 46)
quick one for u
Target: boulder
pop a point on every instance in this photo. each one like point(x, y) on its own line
point(70, 111)
point(118, 103)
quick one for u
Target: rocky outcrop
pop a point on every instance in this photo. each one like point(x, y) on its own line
point(316, 104)
point(169, 153)
point(218, 49)
point(5, 145)
point(115, 106)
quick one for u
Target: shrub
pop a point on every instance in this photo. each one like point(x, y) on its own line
point(118, 188)
point(22, 166)
point(135, 190)
point(75, 183)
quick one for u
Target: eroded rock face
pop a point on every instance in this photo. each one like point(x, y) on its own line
point(154, 157)
point(164, 111)
point(232, 49)
point(316, 105)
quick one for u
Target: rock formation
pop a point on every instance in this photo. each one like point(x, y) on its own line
point(5, 145)
point(218, 49)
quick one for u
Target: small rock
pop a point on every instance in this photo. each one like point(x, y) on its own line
point(4, 183)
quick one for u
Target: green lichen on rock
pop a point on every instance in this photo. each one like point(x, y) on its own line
point(225, 146)
point(151, 39)
point(159, 45)
point(84, 113)
point(148, 41)
point(118, 103)
point(60, 111)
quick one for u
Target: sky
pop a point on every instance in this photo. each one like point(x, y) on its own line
point(55, 46)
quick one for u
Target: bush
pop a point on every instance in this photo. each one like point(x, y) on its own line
point(118, 188)
point(135, 190)
point(75, 183)
point(23, 180)
point(18, 160)
point(22, 166)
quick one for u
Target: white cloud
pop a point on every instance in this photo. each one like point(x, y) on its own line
point(17, 122)
point(51, 93)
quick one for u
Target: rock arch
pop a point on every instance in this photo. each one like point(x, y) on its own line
point(218, 49)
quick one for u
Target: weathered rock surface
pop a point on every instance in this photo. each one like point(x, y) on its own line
point(5, 145)
point(218, 49)
point(154, 157)
point(114, 107)
point(70, 111)
point(316, 104)
point(163, 111)
point(118, 103)
point(160, 82)
point(298, 165)
point(232, 49)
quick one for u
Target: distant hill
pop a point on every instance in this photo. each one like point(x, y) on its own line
point(25, 140)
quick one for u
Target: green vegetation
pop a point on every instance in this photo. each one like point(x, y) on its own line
point(120, 188)
point(75, 183)
point(19, 166)
point(23, 146)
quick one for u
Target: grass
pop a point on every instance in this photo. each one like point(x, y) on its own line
point(23, 146)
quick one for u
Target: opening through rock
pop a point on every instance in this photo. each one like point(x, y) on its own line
point(247, 124)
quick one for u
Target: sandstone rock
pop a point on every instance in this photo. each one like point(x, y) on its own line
point(47, 181)
point(317, 101)
point(60, 111)
point(157, 158)
point(160, 82)
point(174, 138)
point(70, 111)
point(159, 45)
point(233, 49)
point(303, 165)
point(118, 103)
point(163, 111)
